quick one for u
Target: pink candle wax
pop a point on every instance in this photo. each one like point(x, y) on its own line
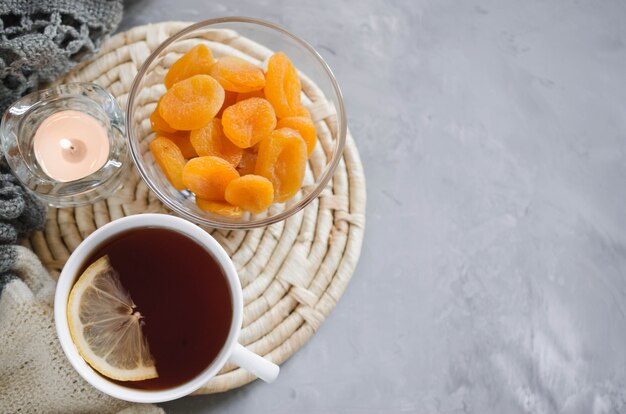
point(70, 145)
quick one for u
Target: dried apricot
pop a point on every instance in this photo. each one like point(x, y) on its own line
point(211, 140)
point(157, 123)
point(302, 111)
point(219, 207)
point(282, 86)
point(247, 95)
point(282, 160)
point(238, 75)
point(247, 162)
point(181, 139)
point(170, 159)
point(192, 103)
point(197, 61)
point(252, 192)
point(305, 128)
point(208, 177)
point(230, 98)
point(248, 122)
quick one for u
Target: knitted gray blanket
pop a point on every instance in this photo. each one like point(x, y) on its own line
point(20, 213)
point(41, 40)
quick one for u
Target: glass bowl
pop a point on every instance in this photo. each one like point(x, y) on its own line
point(254, 40)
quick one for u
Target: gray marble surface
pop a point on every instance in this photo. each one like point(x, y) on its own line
point(493, 273)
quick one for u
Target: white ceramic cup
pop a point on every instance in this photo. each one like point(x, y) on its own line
point(231, 351)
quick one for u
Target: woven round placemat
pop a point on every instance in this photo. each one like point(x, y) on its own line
point(292, 273)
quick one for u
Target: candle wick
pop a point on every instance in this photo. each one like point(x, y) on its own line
point(68, 145)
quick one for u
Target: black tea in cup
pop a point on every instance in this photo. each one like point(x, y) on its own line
point(182, 295)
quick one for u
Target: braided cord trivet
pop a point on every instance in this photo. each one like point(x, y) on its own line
point(292, 273)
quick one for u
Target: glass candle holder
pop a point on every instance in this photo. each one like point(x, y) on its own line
point(66, 143)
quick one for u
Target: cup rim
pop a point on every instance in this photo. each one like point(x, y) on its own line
point(68, 275)
point(332, 164)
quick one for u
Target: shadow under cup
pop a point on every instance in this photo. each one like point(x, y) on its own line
point(186, 290)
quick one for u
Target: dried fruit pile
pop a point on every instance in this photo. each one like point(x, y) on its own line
point(237, 137)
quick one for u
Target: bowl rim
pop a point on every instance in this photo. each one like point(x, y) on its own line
point(235, 225)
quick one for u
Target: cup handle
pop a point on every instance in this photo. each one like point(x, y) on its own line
point(255, 364)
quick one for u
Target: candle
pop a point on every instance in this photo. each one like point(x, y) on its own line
point(70, 145)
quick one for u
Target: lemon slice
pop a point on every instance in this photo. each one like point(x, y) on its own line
point(105, 326)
